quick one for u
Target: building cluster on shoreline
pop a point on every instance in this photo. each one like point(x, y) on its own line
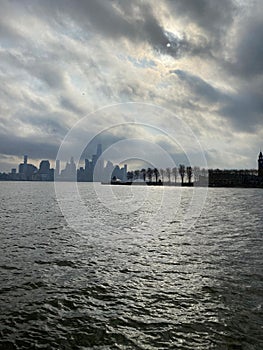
point(29, 172)
point(96, 169)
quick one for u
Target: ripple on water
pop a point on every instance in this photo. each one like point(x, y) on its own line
point(131, 285)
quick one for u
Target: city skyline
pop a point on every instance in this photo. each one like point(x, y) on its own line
point(98, 169)
point(94, 168)
point(199, 59)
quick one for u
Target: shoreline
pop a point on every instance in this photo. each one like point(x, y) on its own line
point(259, 186)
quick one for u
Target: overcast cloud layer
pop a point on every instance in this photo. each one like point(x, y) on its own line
point(201, 59)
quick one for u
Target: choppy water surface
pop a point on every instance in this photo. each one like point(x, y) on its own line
point(122, 282)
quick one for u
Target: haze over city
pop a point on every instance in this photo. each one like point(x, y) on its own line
point(62, 60)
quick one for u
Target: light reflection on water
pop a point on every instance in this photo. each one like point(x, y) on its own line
point(123, 282)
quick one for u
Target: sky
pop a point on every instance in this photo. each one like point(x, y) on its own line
point(63, 60)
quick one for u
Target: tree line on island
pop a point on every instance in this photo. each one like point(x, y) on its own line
point(169, 175)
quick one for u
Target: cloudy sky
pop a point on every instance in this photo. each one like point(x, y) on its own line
point(61, 60)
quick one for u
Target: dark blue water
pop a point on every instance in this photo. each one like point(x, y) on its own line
point(127, 284)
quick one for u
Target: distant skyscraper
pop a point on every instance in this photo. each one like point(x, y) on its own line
point(99, 150)
point(108, 170)
point(26, 170)
point(57, 167)
point(44, 167)
point(69, 173)
point(44, 170)
point(260, 165)
point(23, 169)
point(100, 164)
point(125, 172)
point(72, 167)
point(94, 160)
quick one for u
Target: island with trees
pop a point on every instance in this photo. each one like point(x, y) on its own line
point(169, 176)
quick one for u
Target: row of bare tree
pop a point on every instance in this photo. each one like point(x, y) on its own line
point(167, 175)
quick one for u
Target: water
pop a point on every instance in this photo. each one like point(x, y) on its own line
point(129, 280)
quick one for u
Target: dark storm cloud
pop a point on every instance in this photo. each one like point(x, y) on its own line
point(18, 146)
point(111, 18)
point(249, 50)
point(43, 144)
point(213, 16)
point(242, 109)
point(133, 20)
point(47, 124)
point(200, 87)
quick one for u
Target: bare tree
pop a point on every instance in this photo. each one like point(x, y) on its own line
point(130, 175)
point(156, 174)
point(196, 171)
point(182, 172)
point(136, 174)
point(150, 174)
point(162, 173)
point(168, 174)
point(189, 173)
point(143, 173)
point(204, 172)
point(174, 172)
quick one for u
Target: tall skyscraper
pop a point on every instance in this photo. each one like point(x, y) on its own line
point(25, 159)
point(260, 165)
point(125, 172)
point(99, 150)
point(100, 164)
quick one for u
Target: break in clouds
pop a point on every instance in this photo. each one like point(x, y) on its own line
point(200, 59)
